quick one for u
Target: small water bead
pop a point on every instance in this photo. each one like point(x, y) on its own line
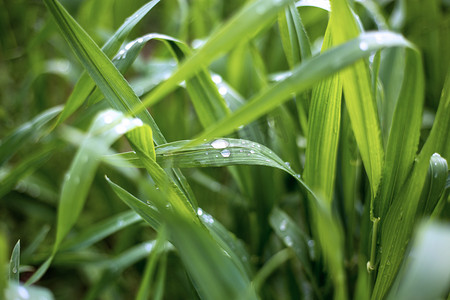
point(148, 247)
point(220, 144)
point(288, 164)
point(14, 270)
point(137, 122)
point(120, 223)
point(252, 152)
point(363, 46)
point(288, 241)
point(140, 40)
point(206, 153)
point(108, 118)
point(223, 90)
point(199, 212)
point(225, 153)
point(216, 78)
point(217, 155)
point(207, 218)
point(283, 225)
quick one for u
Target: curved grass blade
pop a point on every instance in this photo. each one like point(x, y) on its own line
point(201, 254)
point(434, 185)
point(294, 238)
point(85, 85)
point(106, 128)
point(324, 127)
point(108, 79)
point(14, 264)
point(27, 132)
point(101, 230)
point(303, 77)
point(251, 19)
point(270, 266)
point(25, 168)
point(399, 221)
point(360, 103)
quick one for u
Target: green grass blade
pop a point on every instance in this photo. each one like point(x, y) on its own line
point(434, 185)
point(25, 168)
point(360, 103)
point(251, 19)
point(270, 266)
point(404, 134)
point(85, 85)
point(323, 132)
point(108, 79)
point(148, 213)
point(14, 264)
point(3, 263)
point(303, 77)
point(106, 128)
point(100, 231)
point(25, 133)
point(293, 36)
point(294, 238)
point(399, 221)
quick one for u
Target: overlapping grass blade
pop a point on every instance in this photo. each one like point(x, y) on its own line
point(360, 103)
point(251, 19)
point(14, 264)
point(399, 221)
point(117, 91)
point(106, 128)
point(200, 253)
point(324, 127)
point(28, 132)
point(303, 77)
point(85, 85)
point(293, 237)
point(100, 231)
point(26, 167)
point(404, 134)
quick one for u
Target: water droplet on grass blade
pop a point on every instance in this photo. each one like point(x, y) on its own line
point(220, 144)
point(225, 153)
point(288, 241)
point(223, 91)
point(283, 225)
point(216, 78)
point(363, 46)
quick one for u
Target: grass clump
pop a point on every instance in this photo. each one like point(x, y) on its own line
point(225, 150)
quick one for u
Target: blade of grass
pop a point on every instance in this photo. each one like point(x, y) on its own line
point(359, 102)
point(399, 220)
point(28, 132)
point(302, 78)
point(85, 85)
point(251, 19)
point(14, 264)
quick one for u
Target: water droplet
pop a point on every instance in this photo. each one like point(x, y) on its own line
point(108, 118)
point(129, 45)
point(14, 270)
point(220, 144)
point(223, 90)
point(23, 292)
point(283, 225)
point(137, 122)
point(67, 177)
point(253, 145)
point(288, 241)
point(148, 247)
point(120, 129)
point(120, 223)
point(216, 78)
point(259, 146)
point(140, 40)
point(225, 153)
point(298, 176)
point(288, 164)
point(206, 153)
point(252, 151)
point(207, 218)
point(199, 212)
point(363, 46)
point(240, 150)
